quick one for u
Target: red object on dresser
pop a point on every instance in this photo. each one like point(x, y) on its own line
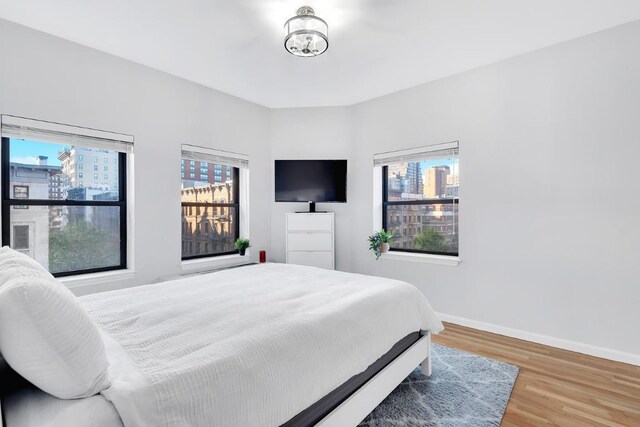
point(263, 256)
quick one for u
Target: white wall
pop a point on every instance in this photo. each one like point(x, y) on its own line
point(550, 213)
point(313, 133)
point(47, 78)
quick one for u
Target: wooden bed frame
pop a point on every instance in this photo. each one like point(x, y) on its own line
point(353, 410)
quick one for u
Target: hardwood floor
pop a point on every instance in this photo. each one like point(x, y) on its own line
point(556, 387)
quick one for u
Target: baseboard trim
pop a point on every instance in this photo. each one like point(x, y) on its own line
point(578, 347)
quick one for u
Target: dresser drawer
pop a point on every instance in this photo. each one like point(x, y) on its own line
point(313, 259)
point(309, 222)
point(309, 241)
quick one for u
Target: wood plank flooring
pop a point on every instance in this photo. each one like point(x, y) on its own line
point(554, 386)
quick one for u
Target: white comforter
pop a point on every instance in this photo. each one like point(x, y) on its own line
point(252, 346)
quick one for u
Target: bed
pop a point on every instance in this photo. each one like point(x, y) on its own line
point(263, 345)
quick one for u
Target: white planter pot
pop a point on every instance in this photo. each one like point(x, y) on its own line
point(384, 248)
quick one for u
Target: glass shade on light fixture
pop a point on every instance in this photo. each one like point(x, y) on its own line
point(306, 34)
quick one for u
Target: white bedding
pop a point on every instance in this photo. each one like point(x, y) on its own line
point(252, 346)
point(32, 407)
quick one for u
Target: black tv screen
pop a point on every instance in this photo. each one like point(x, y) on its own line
point(311, 180)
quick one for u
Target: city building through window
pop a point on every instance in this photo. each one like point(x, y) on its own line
point(210, 213)
point(420, 199)
point(210, 207)
point(67, 227)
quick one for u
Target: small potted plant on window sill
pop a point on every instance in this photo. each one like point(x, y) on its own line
point(242, 245)
point(379, 242)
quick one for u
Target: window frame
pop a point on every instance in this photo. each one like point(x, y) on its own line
point(235, 205)
point(8, 202)
point(386, 203)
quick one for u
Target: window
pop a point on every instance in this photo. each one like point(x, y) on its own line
point(106, 168)
point(208, 207)
point(420, 199)
point(80, 175)
point(210, 211)
point(80, 157)
point(67, 228)
point(95, 176)
point(20, 192)
point(95, 159)
point(81, 166)
point(106, 160)
point(20, 238)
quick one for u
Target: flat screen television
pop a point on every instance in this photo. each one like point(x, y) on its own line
point(317, 181)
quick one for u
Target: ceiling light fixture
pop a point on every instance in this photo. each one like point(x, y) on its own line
point(306, 34)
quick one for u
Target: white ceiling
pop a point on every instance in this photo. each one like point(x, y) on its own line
point(376, 46)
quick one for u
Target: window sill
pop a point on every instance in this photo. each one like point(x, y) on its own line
point(425, 258)
point(84, 280)
point(213, 263)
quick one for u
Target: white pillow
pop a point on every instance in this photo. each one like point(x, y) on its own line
point(14, 264)
point(4, 251)
point(48, 338)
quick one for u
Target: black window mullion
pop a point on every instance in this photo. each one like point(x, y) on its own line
point(422, 202)
point(236, 199)
point(4, 153)
point(122, 195)
point(210, 204)
point(47, 202)
point(385, 195)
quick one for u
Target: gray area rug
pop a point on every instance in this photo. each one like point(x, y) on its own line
point(463, 390)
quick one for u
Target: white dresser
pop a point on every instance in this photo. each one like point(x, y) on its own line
point(310, 239)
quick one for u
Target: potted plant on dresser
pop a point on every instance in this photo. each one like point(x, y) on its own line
point(379, 242)
point(242, 245)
